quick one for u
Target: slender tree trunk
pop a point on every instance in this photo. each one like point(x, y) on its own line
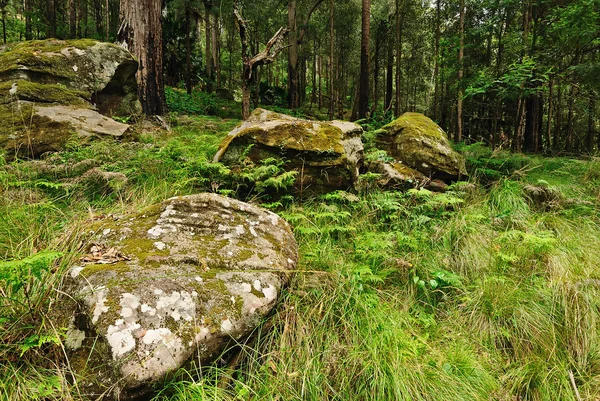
point(208, 40)
point(51, 18)
point(28, 31)
point(570, 122)
point(320, 73)
point(376, 75)
point(389, 76)
point(72, 19)
point(398, 59)
point(188, 50)
point(550, 110)
point(330, 84)
point(107, 19)
point(293, 95)
point(4, 24)
point(461, 51)
point(558, 123)
point(215, 49)
point(436, 70)
point(141, 33)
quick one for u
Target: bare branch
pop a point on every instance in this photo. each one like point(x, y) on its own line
point(272, 49)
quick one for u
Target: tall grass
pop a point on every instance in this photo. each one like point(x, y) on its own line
point(474, 294)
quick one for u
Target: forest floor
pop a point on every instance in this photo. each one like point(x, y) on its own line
point(490, 291)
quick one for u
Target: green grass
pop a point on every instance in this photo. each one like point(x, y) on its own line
point(481, 293)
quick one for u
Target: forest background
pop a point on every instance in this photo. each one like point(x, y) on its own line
point(511, 73)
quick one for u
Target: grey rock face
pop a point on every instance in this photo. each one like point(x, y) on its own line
point(175, 283)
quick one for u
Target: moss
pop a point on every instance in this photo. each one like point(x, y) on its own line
point(419, 124)
point(41, 56)
point(45, 93)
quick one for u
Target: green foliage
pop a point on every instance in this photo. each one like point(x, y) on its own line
point(200, 103)
point(15, 274)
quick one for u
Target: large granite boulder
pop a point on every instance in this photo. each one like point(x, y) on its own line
point(52, 90)
point(176, 283)
point(419, 143)
point(326, 155)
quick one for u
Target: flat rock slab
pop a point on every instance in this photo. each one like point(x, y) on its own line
point(32, 130)
point(326, 155)
point(175, 283)
point(85, 122)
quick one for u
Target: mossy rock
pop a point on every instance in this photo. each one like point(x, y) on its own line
point(69, 72)
point(419, 143)
point(326, 155)
point(29, 130)
point(177, 282)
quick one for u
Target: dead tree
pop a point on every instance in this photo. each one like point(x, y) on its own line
point(274, 46)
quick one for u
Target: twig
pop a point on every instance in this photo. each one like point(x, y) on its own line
point(574, 386)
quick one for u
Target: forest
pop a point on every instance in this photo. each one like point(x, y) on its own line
point(300, 200)
point(518, 74)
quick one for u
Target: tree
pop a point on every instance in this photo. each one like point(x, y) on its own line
point(250, 64)
point(363, 94)
point(141, 33)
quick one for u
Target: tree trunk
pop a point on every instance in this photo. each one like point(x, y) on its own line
point(376, 70)
point(331, 60)
point(28, 31)
point(141, 33)
point(389, 80)
point(107, 19)
point(188, 50)
point(397, 107)
point(208, 40)
point(51, 18)
point(550, 110)
point(215, 49)
point(363, 95)
point(293, 95)
point(4, 23)
point(72, 19)
point(436, 70)
point(461, 51)
point(570, 122)
point(558, 124)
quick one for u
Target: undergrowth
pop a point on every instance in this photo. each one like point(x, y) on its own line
point(485, 292)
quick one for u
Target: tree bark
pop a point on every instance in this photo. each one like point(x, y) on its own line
point(363, 95)
point(331, 61)
point(436, 70)
point(51, 18)
point(188, 50)
point(397, 106)
point(461, 51)
point(141, 33)
point(293, 95)
point(28, 31)
point(215, 49)
point(72, 19)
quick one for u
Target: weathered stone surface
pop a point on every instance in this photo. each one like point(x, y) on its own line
point(175, 283)
point(421, 144)
point(398, 177)
point(53, 89)
point(327, 155)
point(33, 130)
point(60, 71)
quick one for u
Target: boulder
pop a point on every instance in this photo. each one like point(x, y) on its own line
point(326, 155)
point(31, 130)
point(419, 143)
point(172, 285)
point(69, 71)
point(51, 90)
point(398, 177)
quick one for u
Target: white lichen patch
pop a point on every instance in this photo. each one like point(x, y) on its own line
point(257, 285)
point(105, 232)
point(145, 308)
point(239, 230)
point(160, 335)
point(120, 337)
point(129, 303)
point(246, 287)
point(270, 292)
point(178, 305)
point(76, 270)
point(99, 304)
point(155, 232)
point(161, 246)
point(226, 326)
